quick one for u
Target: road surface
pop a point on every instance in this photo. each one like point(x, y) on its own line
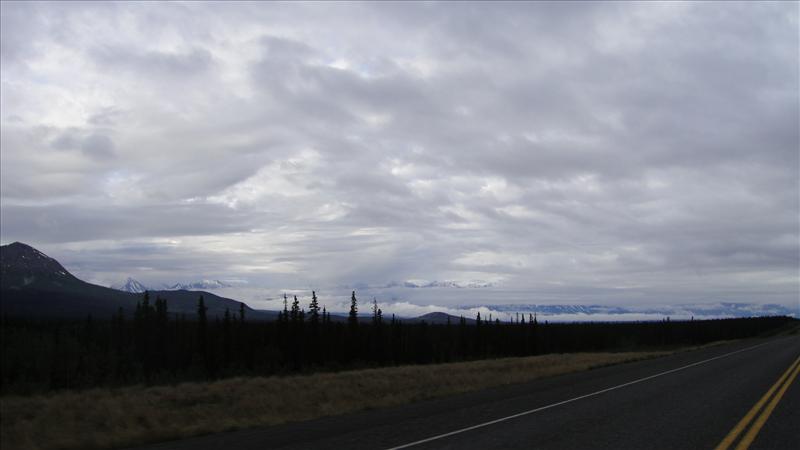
point(684, 401)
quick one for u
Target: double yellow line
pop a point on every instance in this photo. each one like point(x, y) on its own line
point(780, 386)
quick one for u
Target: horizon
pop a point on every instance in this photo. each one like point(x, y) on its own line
point(636, 154)
point(412, 301)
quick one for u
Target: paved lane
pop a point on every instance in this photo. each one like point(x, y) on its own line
point(688, 400)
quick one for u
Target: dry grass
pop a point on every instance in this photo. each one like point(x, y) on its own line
point(103, 418)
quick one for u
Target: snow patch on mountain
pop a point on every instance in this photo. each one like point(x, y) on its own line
point(136, 287)
point(472, 284)
point(197, 285)
point(684, 311)
point(130, 285)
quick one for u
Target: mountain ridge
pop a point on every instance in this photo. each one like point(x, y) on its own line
point(136, 287)
point(33, 284)
point(718, 309)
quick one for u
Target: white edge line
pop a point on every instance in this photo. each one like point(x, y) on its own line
point(553, 405)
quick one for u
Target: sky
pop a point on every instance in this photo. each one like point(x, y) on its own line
point(644, 153)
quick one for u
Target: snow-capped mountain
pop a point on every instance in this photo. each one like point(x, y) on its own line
point(133, 286)
point(440, 284)
point(130, 285)
point(197, 285)
point(713, 310)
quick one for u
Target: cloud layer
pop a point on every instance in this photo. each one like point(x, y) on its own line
point(589, 151)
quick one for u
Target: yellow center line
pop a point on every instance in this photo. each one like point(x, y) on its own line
point(734, 433)
point(762, 419)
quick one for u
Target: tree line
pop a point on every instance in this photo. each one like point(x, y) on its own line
point(154, 346)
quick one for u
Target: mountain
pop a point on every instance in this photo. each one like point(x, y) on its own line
point(23, 266)
point(204, 284)
point(700, 311)
point(131, 285)
point(33, 284)
point(440, 284)
point(440, 318)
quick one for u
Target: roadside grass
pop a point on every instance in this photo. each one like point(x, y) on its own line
point(135, 415)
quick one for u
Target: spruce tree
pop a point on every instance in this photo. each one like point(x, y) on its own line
point(353, 340)
point(226, 336)
point(295, 314)
point(202, 331)
point(352, 317)
point(375, 316)
point(313, 308)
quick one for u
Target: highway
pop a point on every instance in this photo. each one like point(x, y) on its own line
point(737, 395)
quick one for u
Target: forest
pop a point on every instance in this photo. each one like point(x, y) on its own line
point(157, 347)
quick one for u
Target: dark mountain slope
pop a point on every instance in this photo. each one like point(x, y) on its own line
point(439, 318)
point(34, 285)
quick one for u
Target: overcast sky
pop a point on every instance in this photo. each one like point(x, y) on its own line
point(649, 150)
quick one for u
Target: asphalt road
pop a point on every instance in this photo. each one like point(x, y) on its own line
point(683, 401)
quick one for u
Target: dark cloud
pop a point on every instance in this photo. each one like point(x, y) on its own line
point(98, 146)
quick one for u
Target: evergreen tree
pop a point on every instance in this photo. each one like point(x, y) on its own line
point(295, 314)
point(202, 331)
point(161, 324)
point(226, 336)
point(313, 309)
point(241, 311)
point(352, 317)
point(376, 312)
point(353, 339)
point(143, 309)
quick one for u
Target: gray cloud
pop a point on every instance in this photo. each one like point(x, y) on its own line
point(575, 152)
point(98, 146)
point(152, 63)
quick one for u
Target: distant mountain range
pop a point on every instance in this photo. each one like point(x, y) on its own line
point(36, 285)
point(706, 310)
point(441, 284)
point(133, 286)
